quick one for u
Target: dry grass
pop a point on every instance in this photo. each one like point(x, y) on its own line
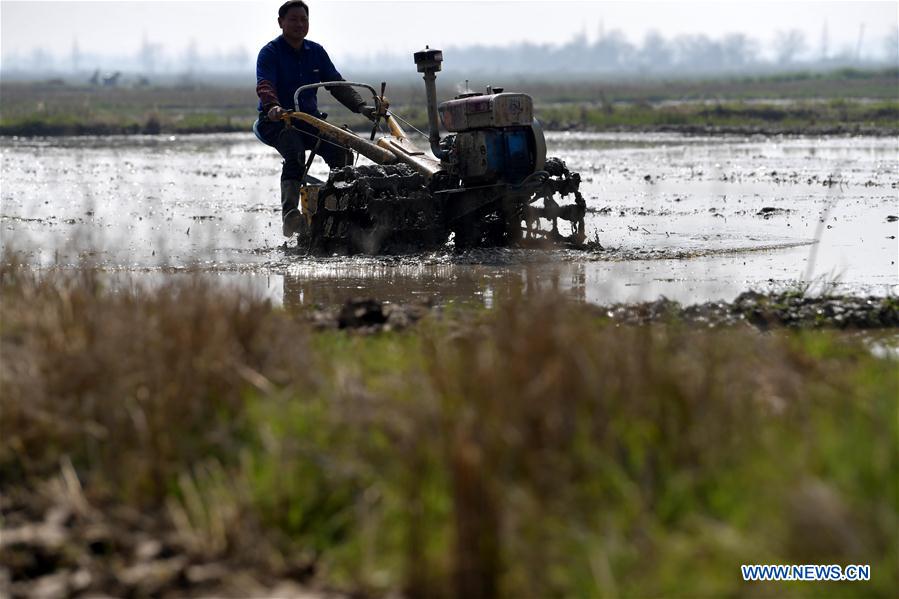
point(133, 382)
point(530, 451)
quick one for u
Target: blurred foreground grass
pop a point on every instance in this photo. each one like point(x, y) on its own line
point(534, 450)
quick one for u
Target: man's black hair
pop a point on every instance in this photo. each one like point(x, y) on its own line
point(292, 4)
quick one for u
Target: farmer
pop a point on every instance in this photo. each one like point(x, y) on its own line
point(284, 64)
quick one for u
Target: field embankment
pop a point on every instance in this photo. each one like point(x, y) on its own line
point(843, 102)
point(189, 439)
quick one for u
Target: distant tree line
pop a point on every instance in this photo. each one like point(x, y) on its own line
point(611, 53)
point(150, 61)
point(656, 55)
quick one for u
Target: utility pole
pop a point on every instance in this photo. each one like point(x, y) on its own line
point(858, 48)
point(76, 55)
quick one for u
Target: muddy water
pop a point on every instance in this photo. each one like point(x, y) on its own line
point(690, 218)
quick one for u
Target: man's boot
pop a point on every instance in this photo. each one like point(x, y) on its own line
point(292, 220)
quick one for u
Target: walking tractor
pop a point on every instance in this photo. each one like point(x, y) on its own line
point(480, 184)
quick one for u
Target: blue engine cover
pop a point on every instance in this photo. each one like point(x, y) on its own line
point(507, 154)
point(494, 155)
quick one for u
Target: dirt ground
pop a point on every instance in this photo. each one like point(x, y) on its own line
point(690, 218)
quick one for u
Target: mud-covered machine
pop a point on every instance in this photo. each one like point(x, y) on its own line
point(480, 185)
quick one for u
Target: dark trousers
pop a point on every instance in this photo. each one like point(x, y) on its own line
point(292, 144)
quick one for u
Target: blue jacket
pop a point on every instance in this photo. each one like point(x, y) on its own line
point(280, 70)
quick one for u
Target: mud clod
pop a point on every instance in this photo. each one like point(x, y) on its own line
point(371, 316)
point(769, 211)
point(361, 313)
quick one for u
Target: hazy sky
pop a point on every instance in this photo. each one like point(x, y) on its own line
point(352, 28)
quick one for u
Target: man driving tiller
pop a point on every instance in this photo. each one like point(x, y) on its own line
point(284, 64)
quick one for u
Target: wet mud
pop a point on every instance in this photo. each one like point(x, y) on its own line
point(793, 310)
point(692, 218)
point(366, 315)
point(789, 310)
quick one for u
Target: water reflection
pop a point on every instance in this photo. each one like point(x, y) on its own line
point(303, 288)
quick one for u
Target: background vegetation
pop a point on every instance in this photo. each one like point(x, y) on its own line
point(847, 100)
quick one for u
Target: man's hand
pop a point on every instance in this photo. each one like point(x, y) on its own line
point(275, 112)
point(369, 112)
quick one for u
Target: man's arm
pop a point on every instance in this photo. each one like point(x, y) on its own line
point(345, 95)
point(267, 80)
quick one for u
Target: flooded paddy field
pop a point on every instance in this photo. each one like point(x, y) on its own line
point(693, 219)
point(179, 439)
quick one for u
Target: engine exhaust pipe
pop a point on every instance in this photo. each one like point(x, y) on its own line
point(428, 62)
